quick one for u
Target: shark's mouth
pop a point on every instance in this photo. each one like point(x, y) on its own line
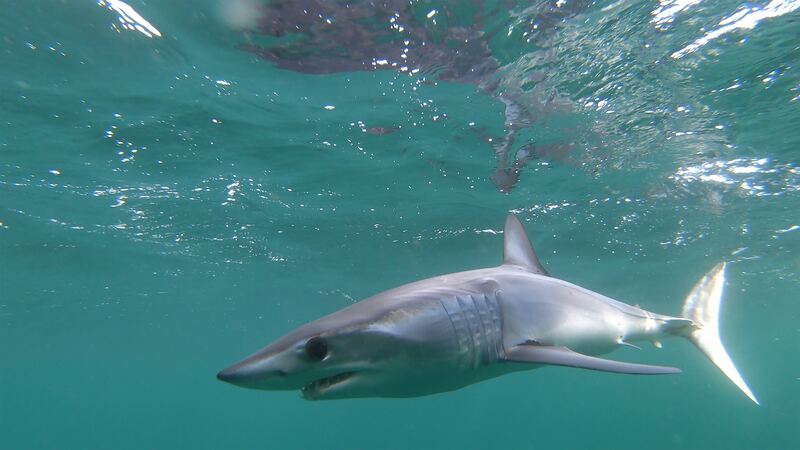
point(312, 390)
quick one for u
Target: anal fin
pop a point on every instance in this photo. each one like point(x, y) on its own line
point(562, 356)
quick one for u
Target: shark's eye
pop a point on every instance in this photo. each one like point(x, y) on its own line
point(316, 348)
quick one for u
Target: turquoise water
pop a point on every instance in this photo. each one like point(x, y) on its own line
point(171, 201)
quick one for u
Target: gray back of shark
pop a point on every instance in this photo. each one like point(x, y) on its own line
point(444, 333)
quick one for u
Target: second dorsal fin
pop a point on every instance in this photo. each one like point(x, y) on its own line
point(517, 249)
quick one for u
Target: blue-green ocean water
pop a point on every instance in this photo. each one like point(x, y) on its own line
point(170, 202)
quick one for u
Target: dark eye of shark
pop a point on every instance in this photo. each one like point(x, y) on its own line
point(316, 348)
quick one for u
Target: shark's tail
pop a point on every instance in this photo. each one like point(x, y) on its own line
point(702, 308)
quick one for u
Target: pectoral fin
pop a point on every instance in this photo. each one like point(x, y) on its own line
point(562, 356)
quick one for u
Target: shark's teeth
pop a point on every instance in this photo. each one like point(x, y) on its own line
point(315, 387)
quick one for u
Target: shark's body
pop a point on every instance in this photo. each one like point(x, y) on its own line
point(447, 332)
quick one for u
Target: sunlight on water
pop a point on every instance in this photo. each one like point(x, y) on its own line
point(668, 10)
point(758, 177)
point(129, 19)
point(747, 17)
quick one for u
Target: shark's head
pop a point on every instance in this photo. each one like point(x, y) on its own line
point(344, 355)
point(420, 338)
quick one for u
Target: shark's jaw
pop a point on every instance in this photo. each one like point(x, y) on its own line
point(319, 387)
point(315, 389)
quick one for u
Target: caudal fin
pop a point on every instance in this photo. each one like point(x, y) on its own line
point(702, 308)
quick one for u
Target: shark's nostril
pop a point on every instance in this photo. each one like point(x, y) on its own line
point(281, 373)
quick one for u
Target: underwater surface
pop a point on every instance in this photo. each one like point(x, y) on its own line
point(182, 182)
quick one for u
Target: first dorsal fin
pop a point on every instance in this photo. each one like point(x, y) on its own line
point(517, 249)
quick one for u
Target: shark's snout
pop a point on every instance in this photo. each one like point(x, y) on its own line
point(230, 375)
point(252, 374)
point(240, 375)
point(237, 374)
point(259, 371)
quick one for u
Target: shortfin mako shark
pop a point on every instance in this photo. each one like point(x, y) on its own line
point(450, 331)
